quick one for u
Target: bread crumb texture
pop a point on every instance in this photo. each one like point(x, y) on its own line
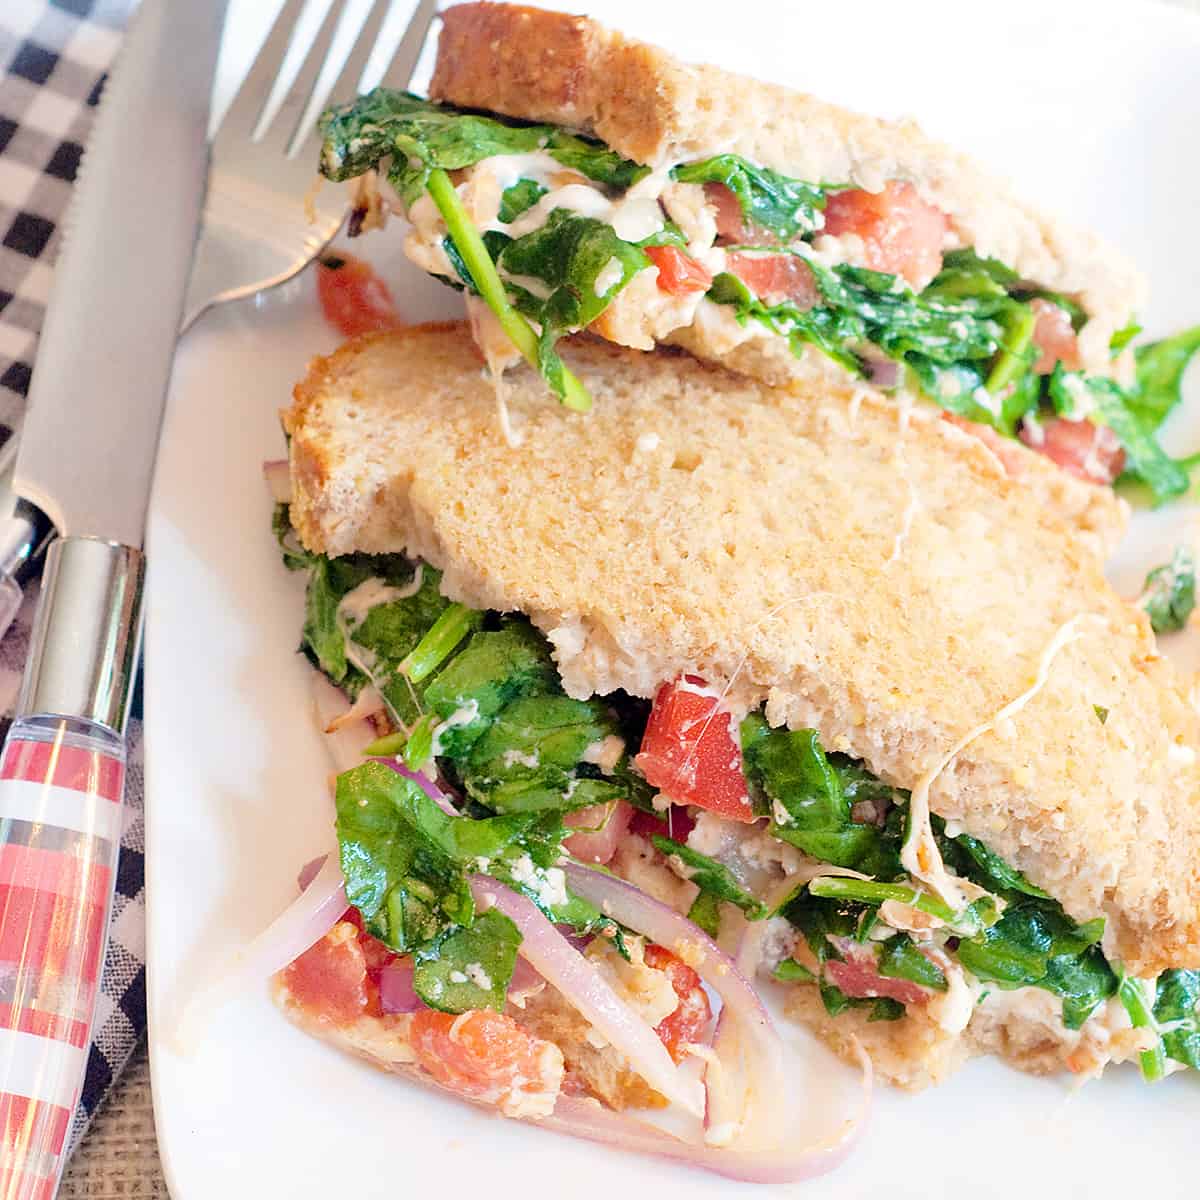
point(650, 107)
point(751, 538)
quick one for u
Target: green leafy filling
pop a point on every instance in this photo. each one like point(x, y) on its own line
point(711, 877)
point(419, 136)
point(773, 203)
point(1169, 593)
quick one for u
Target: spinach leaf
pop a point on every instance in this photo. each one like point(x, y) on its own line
point(786, 208)
point(1103, 400)
point(468, 967)
point(1177, 1013)
point(1035, 944)
point(790, 971)
point(582, 263)
point(493, 668)
point(810, 808)
point(384, 636)
point(396, 854)
point(527, 759)
point(523, 194)
point(712, 877)
point(420, 136)
point(969, 857)
point(946, 342)
point(1160, 369)
point(1169, 593)
point(899, 958)
point(819, 920)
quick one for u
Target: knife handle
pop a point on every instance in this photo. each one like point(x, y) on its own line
point(61, 789)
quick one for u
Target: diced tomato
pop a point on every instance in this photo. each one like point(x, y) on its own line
point(330, 978)
point(678, 274)
point(776, 277)
point(690, 751)
point(859, 977)
point(353, 298)
point(1088, 451)
point(1054, 336)
point(1003, 448)
point(689, 1021)
point(675, 822)
point(604, 826)
point(901, 233)
point(486, 1055)
point(731, 224)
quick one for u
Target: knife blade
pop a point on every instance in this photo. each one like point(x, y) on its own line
point(87, 455)
point(104, 358)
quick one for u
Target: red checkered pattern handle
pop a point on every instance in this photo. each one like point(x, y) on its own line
point(61, 785)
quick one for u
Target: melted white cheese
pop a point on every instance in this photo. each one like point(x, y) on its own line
point(920, 855)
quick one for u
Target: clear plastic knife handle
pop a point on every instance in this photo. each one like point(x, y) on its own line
point(61, 788)
point(62, 783)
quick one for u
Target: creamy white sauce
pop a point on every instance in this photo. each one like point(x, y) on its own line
point(609, 276)
point(355, 605)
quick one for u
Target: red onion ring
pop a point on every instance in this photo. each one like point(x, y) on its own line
point(784, 1163)
point(302, 924)
point(396, 991)
point(549, 953)
point(426, 785)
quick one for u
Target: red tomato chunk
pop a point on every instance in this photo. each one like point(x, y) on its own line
point(1088, 451)
point(678, 274)
point(690, 751)
point(353, 298)
point(689, 1021)
point(776, 277)
point(901, 233)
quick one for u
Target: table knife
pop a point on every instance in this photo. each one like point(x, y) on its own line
point(86, 459)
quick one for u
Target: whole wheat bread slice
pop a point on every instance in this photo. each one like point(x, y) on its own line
point(863, 570)
point(537, 65)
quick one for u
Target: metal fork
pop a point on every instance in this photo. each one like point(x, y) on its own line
point(282, 62)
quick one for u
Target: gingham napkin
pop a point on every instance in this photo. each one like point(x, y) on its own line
point(54, 55)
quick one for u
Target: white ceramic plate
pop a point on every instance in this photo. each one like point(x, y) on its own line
point(1092, 108)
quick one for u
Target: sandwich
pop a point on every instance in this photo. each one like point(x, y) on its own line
point(726, 684)
point(565, 177)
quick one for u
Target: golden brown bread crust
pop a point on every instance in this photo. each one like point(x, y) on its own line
point(868, 573)
point(549, 66)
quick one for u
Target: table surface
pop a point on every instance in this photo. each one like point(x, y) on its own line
point(118, 1158)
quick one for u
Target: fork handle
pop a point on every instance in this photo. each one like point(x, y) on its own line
point(62, 783)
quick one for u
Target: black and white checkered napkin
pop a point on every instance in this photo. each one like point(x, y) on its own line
point(54, 55)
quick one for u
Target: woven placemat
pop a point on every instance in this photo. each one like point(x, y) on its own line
point(119, 1154)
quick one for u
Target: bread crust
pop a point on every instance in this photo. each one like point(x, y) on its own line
point(536, 65)
point(864, 571)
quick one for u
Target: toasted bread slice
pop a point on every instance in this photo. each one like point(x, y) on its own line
point(863, 570)
point(650, 107)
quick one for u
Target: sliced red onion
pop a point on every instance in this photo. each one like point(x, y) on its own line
point(755, 1032)
point(787, 1162)
point(302, 924)
point(585, 1118)
point(525, 983)
point(643, 914)
point(309, 871)
point(279, 480)
point(583, 986)
point(426, 784)
point(396, 991)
